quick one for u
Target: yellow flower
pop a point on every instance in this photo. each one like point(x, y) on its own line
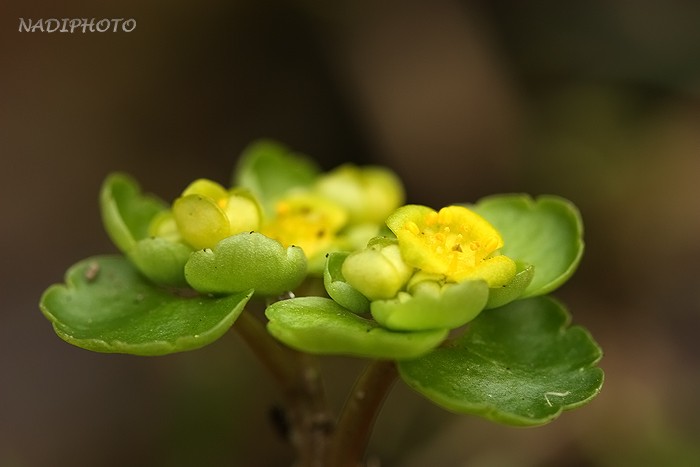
point(206, 213)
point(307, 221)
point(455, 243)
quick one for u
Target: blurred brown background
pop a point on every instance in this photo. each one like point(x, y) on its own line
point(595, 101)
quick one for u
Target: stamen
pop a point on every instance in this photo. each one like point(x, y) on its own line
point(283, 208)
point(412, 227)
point(445, 216)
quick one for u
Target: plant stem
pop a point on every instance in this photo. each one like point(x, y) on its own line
point(299, 377)
point(357, 418)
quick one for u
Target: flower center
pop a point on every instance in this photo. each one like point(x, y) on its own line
point(307, 222)
point(461, 245)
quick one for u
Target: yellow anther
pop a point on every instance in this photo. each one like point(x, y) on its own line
point(445, 216)
point(432, 219)
point(412, 227)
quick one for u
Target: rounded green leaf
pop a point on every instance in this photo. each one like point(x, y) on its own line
point(246, 261)
point(319, 325)
point(519, 364)
point(107, 306)
point(126, 213)
point(270, 170)
point(338, 289)
point(432, 306)
point(546, 233)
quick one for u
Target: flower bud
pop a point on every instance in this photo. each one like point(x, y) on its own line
point(206, 213)
point(378, 271)
point(369, 194)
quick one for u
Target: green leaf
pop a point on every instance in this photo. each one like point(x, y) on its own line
point(246, 261)
point(519, 365)
point(126, 213)
point(339, 290)
point(432, 306)
point(107, 306)
point(270, 170)
point(321, 326)
point(546, 233)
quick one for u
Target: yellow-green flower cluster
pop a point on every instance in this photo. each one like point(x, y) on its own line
point(342, 209)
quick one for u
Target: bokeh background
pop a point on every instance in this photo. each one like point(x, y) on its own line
point(595, 101)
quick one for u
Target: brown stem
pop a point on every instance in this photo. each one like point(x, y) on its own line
point(359, 413)
point(298, 375)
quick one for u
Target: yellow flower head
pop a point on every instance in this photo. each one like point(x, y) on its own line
point(454, 242)
point(307, 221)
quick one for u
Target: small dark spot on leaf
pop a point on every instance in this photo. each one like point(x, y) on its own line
point(92, 270)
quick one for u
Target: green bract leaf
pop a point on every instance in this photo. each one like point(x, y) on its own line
point(321, 326)
point(126, 213)
point(246, 261)
point(432, 306)
point(518, 364)
point(546, 232)
point(339, 290)
point(269, 170)
point(107, 306)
